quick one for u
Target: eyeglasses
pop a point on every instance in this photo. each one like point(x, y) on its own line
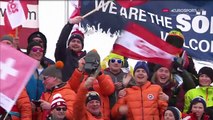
point(37, 49)
point(116, 60)
point(59, 109)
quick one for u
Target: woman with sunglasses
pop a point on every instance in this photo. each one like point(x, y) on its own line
point(58, 108)
point(35, 86)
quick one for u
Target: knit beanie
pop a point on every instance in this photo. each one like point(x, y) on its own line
point(40, 35)
point(31, 45)
point(143, 65)
point(175, 38)
point(176, 112)
point(54, 70)
point(57, 101)
point(7, 37)
point(116, 56)
point(92, 95)
point(197, 100)
point(206, 70)
point(79, 35)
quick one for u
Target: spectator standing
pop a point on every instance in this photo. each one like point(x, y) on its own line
point(71, 54)
point(196, 110)
point(115, 63)
point(52, 79)
point(88, 103)
point(101, 83)
point(175, 89)
point(58, 108)
point(42, 40)
point(142, 101)
point(205, 90)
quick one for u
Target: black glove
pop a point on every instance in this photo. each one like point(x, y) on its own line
point(177, 66)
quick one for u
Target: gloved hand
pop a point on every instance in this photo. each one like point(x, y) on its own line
point(177, 66)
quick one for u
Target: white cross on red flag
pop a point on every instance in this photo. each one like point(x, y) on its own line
point(15, 70)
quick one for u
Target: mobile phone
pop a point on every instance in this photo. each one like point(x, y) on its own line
point(37, 103)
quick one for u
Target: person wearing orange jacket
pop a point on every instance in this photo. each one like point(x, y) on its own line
point(102, 84)
point(88, 102)
point(22, 109)
point(52, 78)
point(142, 101)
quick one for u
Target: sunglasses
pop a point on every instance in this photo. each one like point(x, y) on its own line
point(45, 77)
point(59, 109)
point(116, 60)
point(37, 49)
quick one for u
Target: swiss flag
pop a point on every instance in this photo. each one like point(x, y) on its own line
point(16, 14)
point(130, 3)
point(15, 70)
point(138, 43)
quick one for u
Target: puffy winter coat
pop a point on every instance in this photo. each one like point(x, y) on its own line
point(143, 103)
point(205, 92)
point(68, 95)
point(22, 110)
point(103, 85)
point(79, 110)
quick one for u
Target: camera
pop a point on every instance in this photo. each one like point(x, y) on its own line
point(92, 62)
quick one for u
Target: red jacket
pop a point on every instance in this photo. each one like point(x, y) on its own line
point(192, 116)
point(143, 103)
point(103, 85)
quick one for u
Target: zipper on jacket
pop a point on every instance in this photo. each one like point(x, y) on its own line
point(142, 104)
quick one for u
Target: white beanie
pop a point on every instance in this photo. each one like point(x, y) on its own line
point(57, 101)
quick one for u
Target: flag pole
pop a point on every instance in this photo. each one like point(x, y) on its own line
point(5, 117)
point(96, 9)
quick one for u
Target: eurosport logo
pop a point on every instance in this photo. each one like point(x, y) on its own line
point(185, 11)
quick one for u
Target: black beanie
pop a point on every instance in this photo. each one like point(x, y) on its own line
point(175, 38)
point(176, 112)
point(206, 70)
point(92, 95)
point(195, 101)
point(31, 45)
point(40, 35)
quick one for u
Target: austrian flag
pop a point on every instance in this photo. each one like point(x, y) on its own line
point(138, 43)
point(16, 13)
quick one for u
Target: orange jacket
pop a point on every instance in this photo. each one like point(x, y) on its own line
point(68, 95)
point(22, 107)
point(79, 109)
point(143, 103)
point(103, 85)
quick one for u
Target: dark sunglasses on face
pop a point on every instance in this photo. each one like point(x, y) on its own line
point(59, 109)
point(116, 60)
point(45, 77)
point(37, 49)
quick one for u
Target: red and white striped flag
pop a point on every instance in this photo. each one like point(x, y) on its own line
point(138, 43)
point(16, 13)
